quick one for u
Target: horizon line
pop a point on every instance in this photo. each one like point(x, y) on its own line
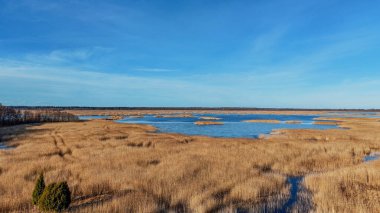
point(195, 108)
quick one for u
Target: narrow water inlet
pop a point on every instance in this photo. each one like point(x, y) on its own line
point(294, 182)
point(295, 185)
point(371, 157)
point(4, 147)
point(295, 192)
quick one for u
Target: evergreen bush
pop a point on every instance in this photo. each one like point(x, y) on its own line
point(38, 189)
point(56, 197)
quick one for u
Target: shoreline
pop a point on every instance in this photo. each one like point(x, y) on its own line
point(152, 129)
point(174, 112)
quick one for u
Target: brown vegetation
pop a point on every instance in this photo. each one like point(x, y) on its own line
point(209, 118)
point(115, 117)
point(293, 122)
point(113, 167)
point(200, 123)
point(326, 123)
point(263, 121)
point(136, 116)
point(350, 189)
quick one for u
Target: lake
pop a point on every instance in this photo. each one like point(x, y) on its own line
point(233, 125)
point(91, 117)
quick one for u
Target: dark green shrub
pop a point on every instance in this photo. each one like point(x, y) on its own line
point(56, 197)
point(45, 203)
point(38, 189)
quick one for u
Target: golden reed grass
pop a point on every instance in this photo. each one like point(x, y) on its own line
point(114, 167)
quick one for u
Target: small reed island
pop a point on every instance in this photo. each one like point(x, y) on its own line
point(209, 118)
point(293, 122)
point(115, 117)
point(136, 116)
point(335, 123)
point(202, 123)
point(263, 121)
point(326, 121)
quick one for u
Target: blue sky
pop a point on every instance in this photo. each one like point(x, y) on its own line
point(246, 53)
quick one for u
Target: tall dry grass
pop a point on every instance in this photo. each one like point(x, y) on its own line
point(352, 189)
point(114, 167)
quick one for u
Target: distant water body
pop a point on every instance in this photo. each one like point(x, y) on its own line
point(90, 117)
point(352, 114)
point(4, 147)
point(233, 124)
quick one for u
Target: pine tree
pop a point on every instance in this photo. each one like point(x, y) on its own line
point(46, 202)
point(63, 196)
point(56, 197)
point(38, 189)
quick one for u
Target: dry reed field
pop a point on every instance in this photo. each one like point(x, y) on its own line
point(113, 167)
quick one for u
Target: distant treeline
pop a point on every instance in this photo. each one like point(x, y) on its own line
point(11, 116)
point(184, 108)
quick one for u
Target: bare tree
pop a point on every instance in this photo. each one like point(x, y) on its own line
point(10, 116)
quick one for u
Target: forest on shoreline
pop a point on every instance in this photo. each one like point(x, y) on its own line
point(11, 116)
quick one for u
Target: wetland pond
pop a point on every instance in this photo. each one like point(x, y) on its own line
point(231, 125)
point(371, 157)
point(92, 117)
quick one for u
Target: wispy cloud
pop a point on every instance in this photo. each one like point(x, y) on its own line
point(65, 86)
point(66, 55)
point(26, 83)
point(61, 56)
point(292, 83)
